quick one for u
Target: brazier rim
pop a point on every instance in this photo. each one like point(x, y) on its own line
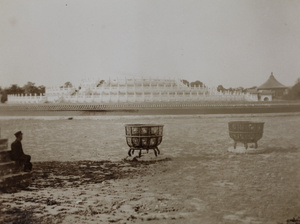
point(246, 122)
point(144, 125)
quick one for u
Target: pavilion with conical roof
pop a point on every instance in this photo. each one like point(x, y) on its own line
point(273, 85)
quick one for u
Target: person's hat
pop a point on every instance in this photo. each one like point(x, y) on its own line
point(18, 133)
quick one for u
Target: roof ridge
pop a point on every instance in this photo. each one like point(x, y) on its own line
point(272, 83)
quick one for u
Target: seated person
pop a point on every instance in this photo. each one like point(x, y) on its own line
point(18, 155)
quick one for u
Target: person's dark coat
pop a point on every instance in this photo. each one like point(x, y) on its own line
point(17, 154)
point(16, 150)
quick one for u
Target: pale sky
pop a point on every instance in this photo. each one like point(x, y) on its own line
point(229, 42)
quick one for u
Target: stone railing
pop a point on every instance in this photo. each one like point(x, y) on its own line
point(153, 97)
point(59, 91)
point(26, 99)
point(106, 97)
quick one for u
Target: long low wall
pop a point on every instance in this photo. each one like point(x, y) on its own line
point(141, 109)
point(137, 106)
point(121, 98)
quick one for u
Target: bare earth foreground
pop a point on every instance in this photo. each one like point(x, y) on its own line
point(80, 175)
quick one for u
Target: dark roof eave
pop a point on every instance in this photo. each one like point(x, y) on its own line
point(266, 88)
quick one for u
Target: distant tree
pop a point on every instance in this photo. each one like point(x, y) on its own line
point(42, 89)
point(68, 85)
point(100, 83)
point(196, 84)
point(240, 89)
point(294, 93)
point(185, 82)
point(14, 89)
point(220, 88)
point(74, 93)
point(30, 88)
point(3, 96)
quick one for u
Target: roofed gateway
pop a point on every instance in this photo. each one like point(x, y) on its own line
point(278, 89)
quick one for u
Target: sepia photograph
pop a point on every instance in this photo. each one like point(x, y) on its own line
point(150, 112)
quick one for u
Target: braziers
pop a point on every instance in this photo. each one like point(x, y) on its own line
point(17, 154)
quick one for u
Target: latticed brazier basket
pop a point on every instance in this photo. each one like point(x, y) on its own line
point(245, 132)
point(143, 137)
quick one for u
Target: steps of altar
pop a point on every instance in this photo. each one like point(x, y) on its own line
point(12, 177)
point(15, 182)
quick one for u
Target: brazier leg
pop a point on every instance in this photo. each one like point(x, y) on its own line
point(129, 152)
point(234, 145)
point(157, 150)
point(256, 145)
point(140, 153)
point(246, 145)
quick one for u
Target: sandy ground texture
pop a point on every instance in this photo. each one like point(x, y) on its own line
point(81, 174)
